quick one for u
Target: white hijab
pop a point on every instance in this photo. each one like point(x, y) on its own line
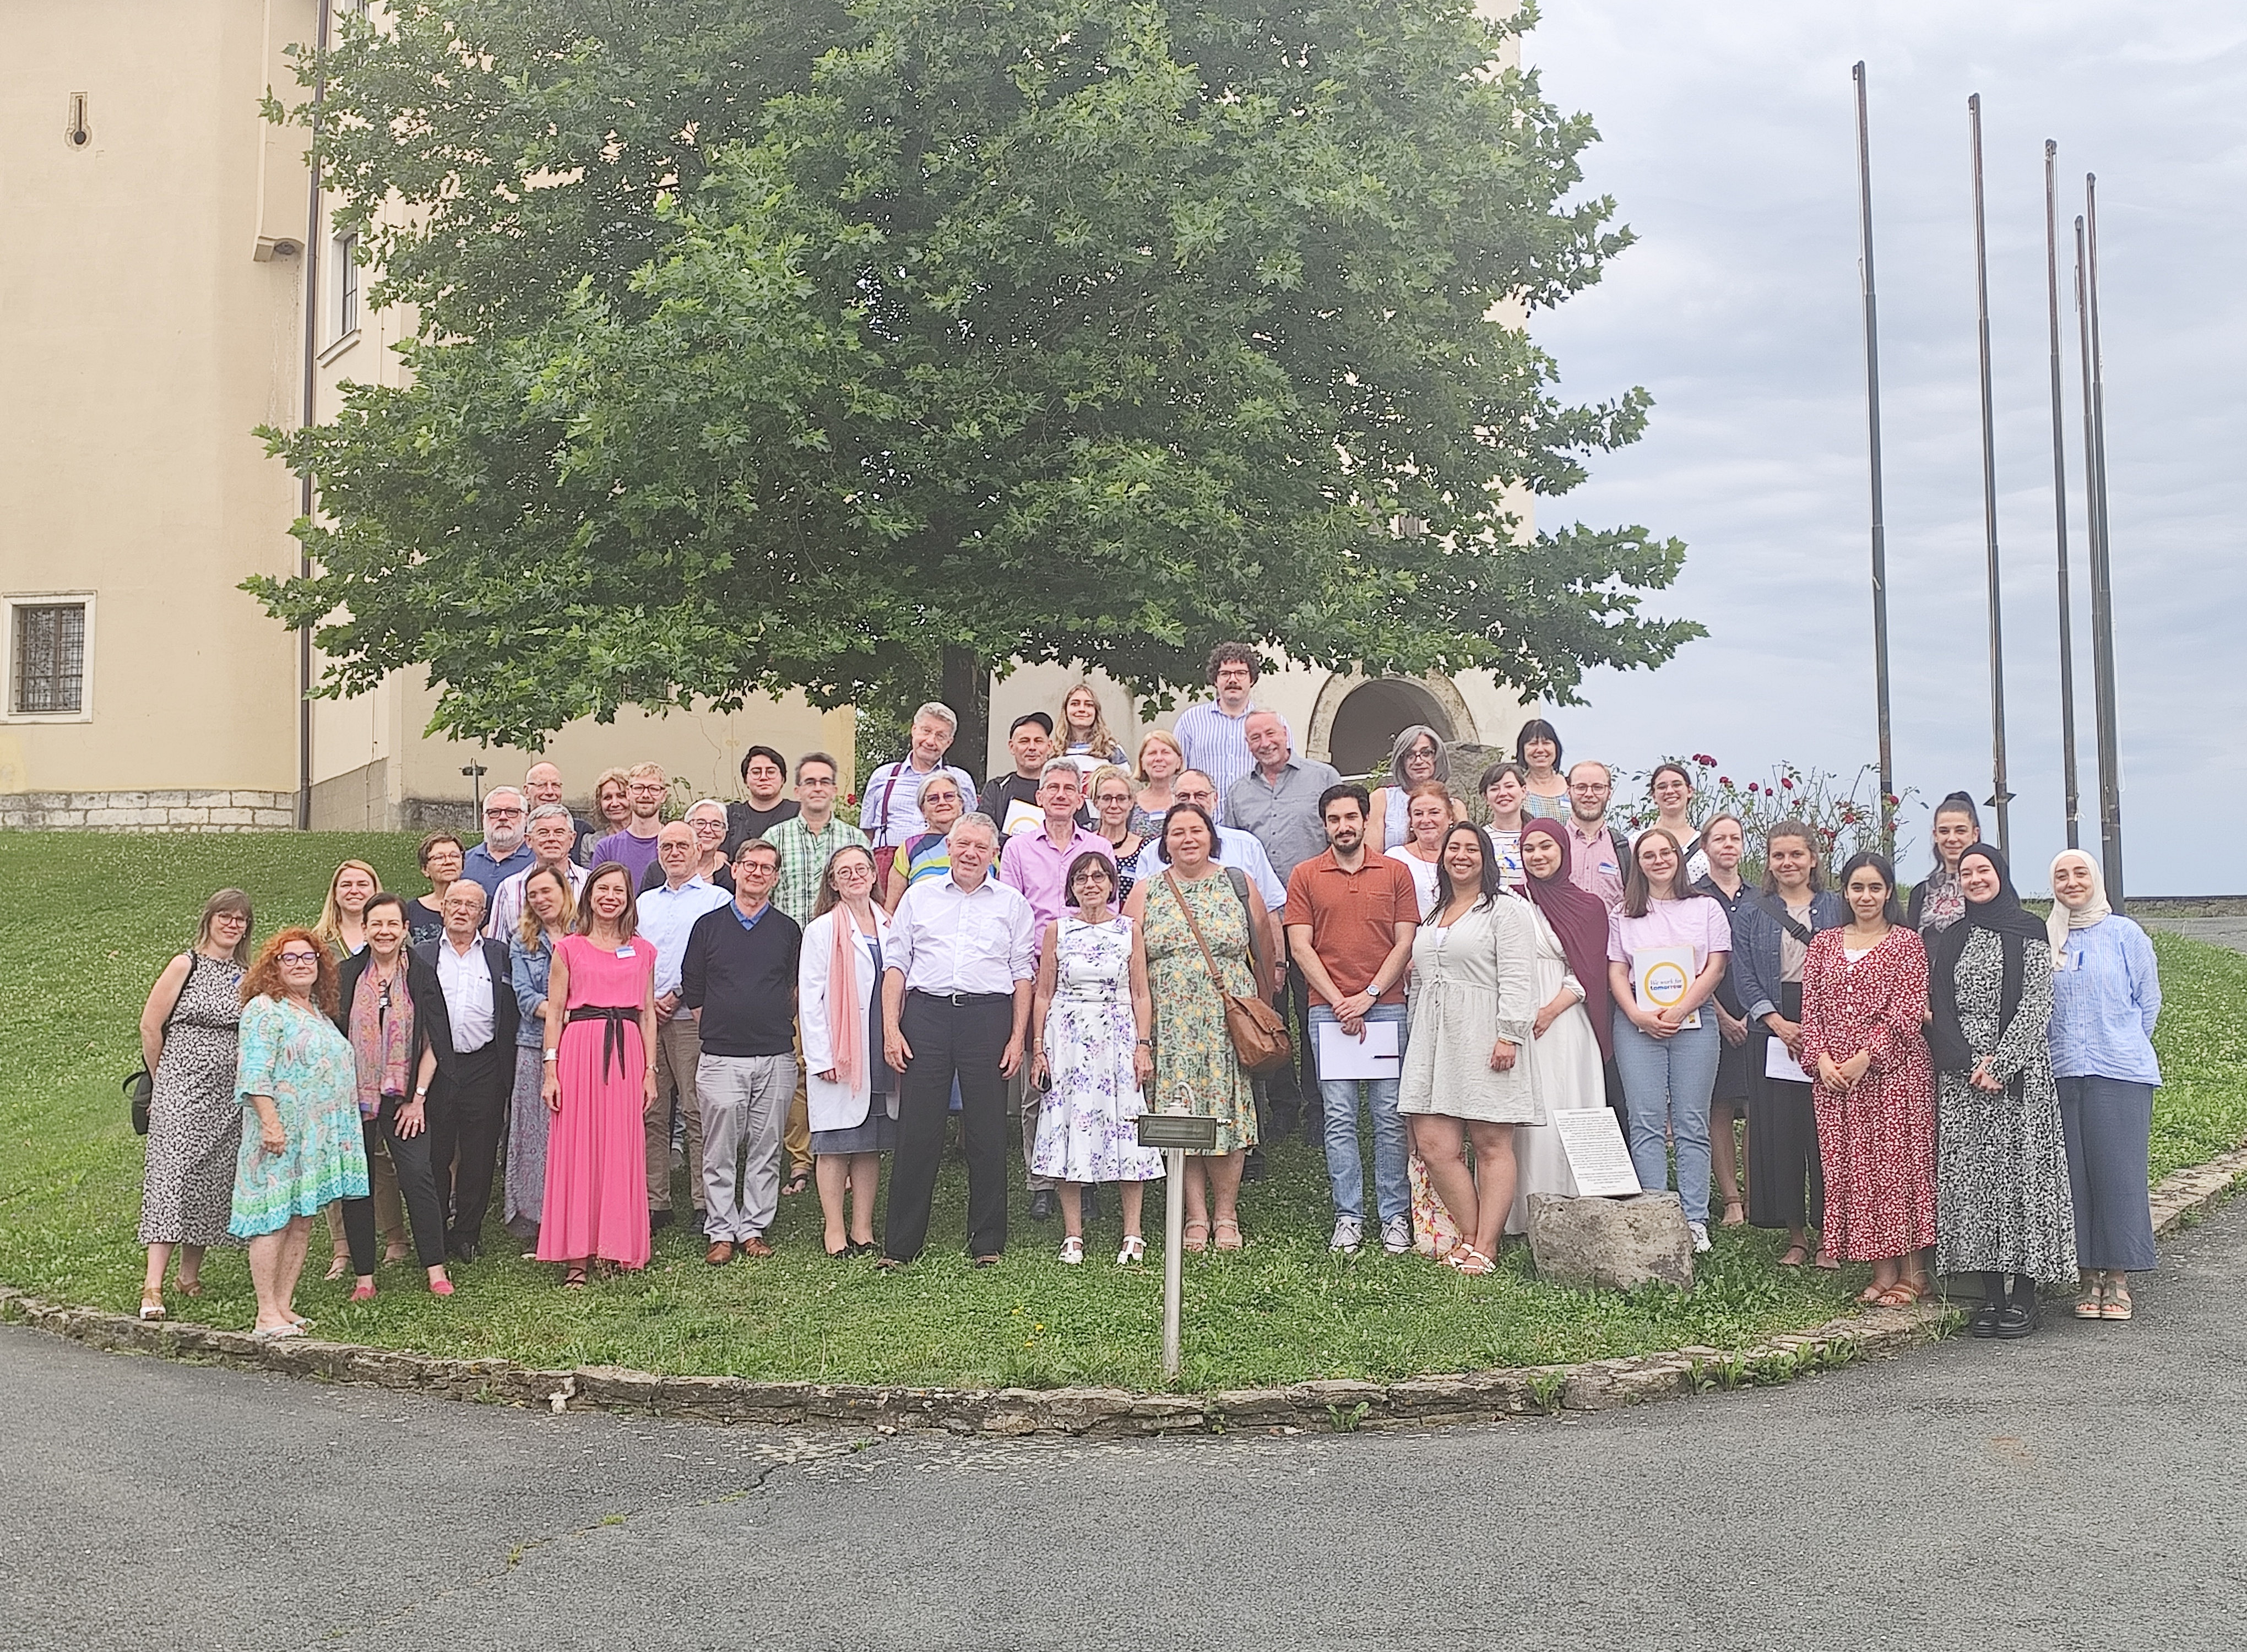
point(2063, 918)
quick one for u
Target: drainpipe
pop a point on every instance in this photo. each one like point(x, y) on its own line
point(311, 411)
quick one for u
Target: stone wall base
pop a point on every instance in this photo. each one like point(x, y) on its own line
point(159, 811)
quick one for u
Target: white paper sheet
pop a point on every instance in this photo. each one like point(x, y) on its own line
point(1778, 1062)
point(1598, 1157)
point(1375, 1055)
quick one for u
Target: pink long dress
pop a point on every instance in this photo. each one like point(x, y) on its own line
point(596, 1153)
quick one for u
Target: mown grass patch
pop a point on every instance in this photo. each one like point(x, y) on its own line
point(95, 915)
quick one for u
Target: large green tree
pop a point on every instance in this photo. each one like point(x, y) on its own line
point(862, 347)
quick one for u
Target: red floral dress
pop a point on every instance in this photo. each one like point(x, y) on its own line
point(1877, 1142)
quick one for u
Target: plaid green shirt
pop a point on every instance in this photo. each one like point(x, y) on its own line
point(803, 857)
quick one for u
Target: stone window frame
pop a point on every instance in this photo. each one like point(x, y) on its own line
point(11, 602)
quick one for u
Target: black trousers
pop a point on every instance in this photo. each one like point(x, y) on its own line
point(424, 1214)
point(468, 1116)
point(1786, 1178)
point(1298, 1086)
point(951, 1040)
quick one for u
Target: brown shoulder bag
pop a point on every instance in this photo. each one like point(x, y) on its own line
point(1260, 1037)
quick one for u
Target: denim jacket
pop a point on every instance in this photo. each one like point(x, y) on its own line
point(527, 967)
point(1756, 936)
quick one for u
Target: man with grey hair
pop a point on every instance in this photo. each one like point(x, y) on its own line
point(956, 985)
point(551, 836)
point(1277, 803)
point(471, 1026)
point(889, 813)
point(667, 916)
point(502, 853)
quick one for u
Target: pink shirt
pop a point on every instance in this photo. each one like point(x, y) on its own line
point(1593, 866)
point(1699, 922)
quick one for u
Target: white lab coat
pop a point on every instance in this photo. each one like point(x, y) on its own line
point(834, 1105)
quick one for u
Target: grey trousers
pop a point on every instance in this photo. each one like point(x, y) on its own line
point(1029, 1104)
point(745, 1101)
point(677, 1048)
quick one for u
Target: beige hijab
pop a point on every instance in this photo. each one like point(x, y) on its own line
point(2084, 916)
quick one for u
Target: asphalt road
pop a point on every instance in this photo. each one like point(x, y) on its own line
point(2083, 1488)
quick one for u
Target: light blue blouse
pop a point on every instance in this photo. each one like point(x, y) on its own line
point(2105, 1000)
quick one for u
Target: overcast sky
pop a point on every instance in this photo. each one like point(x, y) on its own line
point(1728, 142)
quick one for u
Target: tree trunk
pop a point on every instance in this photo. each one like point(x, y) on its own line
point(967, 691)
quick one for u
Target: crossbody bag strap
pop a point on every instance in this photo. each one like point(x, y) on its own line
point(173, 1013)
point(1177, 894)
point(1785, 919)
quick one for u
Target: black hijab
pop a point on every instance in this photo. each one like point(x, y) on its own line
point(2017, 930)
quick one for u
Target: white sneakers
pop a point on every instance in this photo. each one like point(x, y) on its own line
point(1349, 1234)
point(1397, 1235)
point(1700, 1232)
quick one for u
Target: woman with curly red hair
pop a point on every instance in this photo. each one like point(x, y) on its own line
point(295, 1071)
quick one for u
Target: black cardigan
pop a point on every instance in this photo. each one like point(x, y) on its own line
point(420, 981)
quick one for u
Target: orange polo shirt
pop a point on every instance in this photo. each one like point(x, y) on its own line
point(1353, 919)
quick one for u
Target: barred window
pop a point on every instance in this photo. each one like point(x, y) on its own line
point(50, 656)
point(347, 285)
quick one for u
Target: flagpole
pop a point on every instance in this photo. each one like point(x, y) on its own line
point(1873, 427)
point(2001, 796)
point(2102, 587)
point(2060, 497)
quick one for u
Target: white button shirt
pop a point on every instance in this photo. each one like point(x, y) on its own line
point(946, 939)
point(466, 978)
point(666, 918)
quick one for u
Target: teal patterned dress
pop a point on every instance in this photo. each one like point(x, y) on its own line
point(296, 1055)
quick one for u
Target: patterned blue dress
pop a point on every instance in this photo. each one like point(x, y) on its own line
point(297, 1056)
point(1089, 1130)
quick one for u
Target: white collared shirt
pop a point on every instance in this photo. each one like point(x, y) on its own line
point(946, 939)
point(666, 918)
point(466, 980)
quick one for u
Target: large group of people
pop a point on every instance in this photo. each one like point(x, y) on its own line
point(776, 998)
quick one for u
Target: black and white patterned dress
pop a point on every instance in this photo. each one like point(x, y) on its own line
point(194, 1118)
point(2001, 1200)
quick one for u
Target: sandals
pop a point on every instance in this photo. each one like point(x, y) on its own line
point(1469, 1261)
point(337, 1269)
point(798, 1179)
point(1736, 1214)
point(1134, 1252)
point(573, 1277)
point(1238, 1242)
point(2115, 1305)
point(1189, 1242)
point(1794, 1256)
point(2093, 1303)
point(189, 1287)
point(152, 1304)
point(1072, 1249)
point(1902, 1293)
point(276, 1333)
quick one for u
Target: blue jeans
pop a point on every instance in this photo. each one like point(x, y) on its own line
point(1666, 1082)
point(1392, 1183)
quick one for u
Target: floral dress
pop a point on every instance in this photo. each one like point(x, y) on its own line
point(2001, 1188)
point(1195, 1067)
point(296, 1055)
point(1087, 1131)
point(1877, 1141)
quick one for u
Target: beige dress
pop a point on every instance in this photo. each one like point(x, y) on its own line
point(1471, 986)
point(1566, 1068)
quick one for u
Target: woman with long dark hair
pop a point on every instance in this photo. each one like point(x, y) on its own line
point(1667, 1051)
point(1772, 932)
point(2003, 1205)
point(1864, 992)
point(1467, 1073)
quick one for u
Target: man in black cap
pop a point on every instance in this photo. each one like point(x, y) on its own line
point(1012, 800)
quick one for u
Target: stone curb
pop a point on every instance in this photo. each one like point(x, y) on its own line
point(1096, 1413)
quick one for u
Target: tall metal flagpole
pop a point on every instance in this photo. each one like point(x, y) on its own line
point(2001, 796)
point(2102, 587)
point(1873, 426)
point(2059, 496)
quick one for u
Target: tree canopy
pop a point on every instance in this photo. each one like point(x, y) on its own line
point(861, 348)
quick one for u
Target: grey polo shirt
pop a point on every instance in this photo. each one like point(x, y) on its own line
point(1284, 817)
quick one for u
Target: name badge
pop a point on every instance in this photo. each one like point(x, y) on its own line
point(2071, 961)
point(626, 951)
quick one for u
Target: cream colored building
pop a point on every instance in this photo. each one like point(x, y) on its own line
point(153, 274)
point(157, 242)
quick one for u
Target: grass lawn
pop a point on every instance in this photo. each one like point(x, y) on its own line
point(110, 909)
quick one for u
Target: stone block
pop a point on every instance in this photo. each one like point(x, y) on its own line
point(210, 799)
point(191, 817)
point(229, 816)
point(167, 799)
point(1611, 1244)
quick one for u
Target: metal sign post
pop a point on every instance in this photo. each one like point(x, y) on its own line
point(1176, 1134)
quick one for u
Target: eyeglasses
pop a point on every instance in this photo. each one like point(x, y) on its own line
point(299, 959)
point(502, 814)
point(1591, 787)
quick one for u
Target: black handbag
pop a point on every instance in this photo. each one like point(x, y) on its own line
point(141, 1086)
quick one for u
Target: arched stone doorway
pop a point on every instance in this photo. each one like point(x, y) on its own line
point(1357, 719)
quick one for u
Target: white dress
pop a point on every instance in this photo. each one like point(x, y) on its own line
point(1567, 1071)
point(1471, 987)
point(1423, 876)
point(1088, 1129)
